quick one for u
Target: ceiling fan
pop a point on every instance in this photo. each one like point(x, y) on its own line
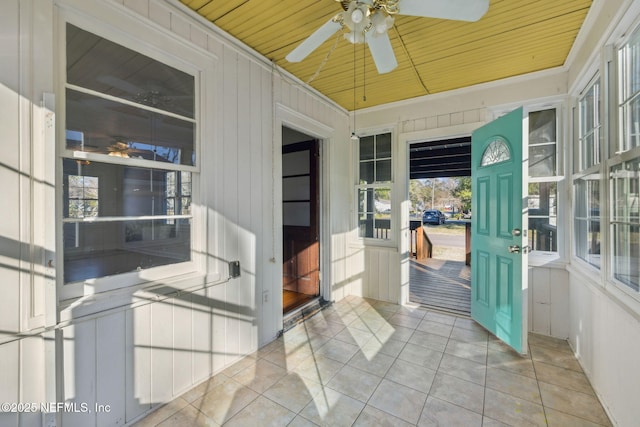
point(369, 20)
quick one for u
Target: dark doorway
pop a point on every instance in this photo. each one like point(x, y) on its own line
point(300, 219)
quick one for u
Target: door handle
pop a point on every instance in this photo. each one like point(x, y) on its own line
point(515, 249)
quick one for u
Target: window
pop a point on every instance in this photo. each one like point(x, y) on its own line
point(374, 187)
point(586, 181)
point(624, 172)
point(543, 178)
point(127, 160)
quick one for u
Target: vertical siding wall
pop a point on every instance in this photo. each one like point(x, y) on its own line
point(147, 352)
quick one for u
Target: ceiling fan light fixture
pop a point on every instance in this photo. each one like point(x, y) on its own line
point(357, 15)
point(381, 23)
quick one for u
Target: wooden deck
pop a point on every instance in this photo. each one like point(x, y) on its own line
point(441, 284)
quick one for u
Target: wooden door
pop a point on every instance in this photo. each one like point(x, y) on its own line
point(498, 235)
point(301, 254)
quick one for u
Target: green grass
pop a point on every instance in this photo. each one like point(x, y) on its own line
point(445, 228)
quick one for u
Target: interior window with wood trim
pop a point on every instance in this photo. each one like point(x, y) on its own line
point(127, 159)
point(374, 187)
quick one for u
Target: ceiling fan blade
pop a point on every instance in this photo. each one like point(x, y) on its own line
point(381, 51)
point(312, 42)
point(460, 10)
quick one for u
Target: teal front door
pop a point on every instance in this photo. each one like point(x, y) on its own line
point(498, 229)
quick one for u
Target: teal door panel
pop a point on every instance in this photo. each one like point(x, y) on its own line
point(498, 242)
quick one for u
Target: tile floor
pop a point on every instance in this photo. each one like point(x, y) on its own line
point(369, 363)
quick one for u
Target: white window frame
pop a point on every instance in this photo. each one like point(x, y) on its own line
point(132, 33)
point(580, 171)
point(616, 156)
point(373, 241)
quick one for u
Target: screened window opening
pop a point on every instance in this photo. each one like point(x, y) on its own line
point(128, 158)
point(374, 189)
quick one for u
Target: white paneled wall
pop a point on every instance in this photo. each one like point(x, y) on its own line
point(145, 351)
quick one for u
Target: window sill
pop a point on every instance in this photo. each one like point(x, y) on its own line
point(129, 297)
point(546, 260)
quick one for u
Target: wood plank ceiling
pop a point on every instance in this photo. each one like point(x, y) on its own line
point(434, 55)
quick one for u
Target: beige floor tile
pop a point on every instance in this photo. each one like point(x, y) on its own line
point(225, 400)
point(573, 403)
point(354, 336)
point(318, 368)
point(467, 350)
point(413, 311)
point(204, 387)
point(300, 421)
point(490, 422)
point(293, 391)
point(371, 325)
point(430, 341)
point(371, 416)
point(563, 377)
point(354, 383)
point(162, 413)
point(262, 412)
point(394, 332)
point(387, 306)
point(338, 350)
point(376, 363)
point(550, 342)
point(446, 319)
point(239, 366)
point(188, 417)
point(411, 375)
point(463, 368)
point(388, 347)
point(512, 410)
point(434, 327)
point(398, 400)
point(421, 356)
point(260, 376)
point(477, 337)
point(459, 392)
point(438, 412)
point(291, 359)
point(404, 321)
point(512, 362)
point(553, 357)
point(514, 384)
point(560, 419)
point(326, 328)
point(333, 409)
point(462, 322)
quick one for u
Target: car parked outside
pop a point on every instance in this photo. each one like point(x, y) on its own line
point(433, 216)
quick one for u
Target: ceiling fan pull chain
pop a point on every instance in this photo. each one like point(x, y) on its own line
point(364, 72)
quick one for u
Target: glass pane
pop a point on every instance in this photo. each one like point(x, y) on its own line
point(625, 212)
point(98, 125)
point(374, 213)
point(367, 172)
point(127, 191)
point(383, 171)
point(296, 214)
point(366, 148)
point(543, 212)
point(587, 219)
point(496, 152)
point(296, 188)
point(107, 67)
point(542, 127)
point(383, 145)
point(632, 124)
point(542, 160)
point(295, 163)
point(108, 248)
